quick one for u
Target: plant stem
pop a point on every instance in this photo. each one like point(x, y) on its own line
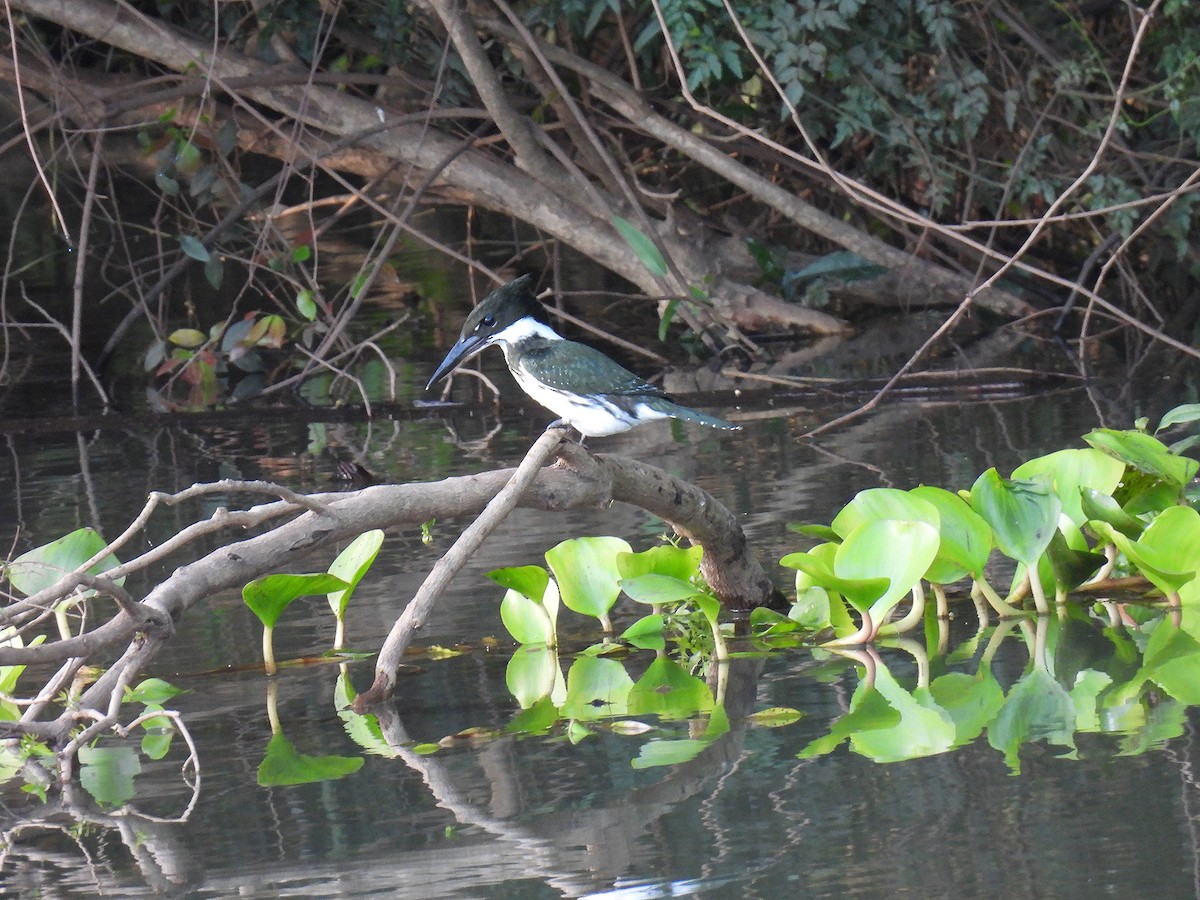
point(1003, 610)
point(1039, 593)
point(914, 617)
point(269, 650)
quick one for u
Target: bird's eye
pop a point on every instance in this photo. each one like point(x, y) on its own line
point(487, 321)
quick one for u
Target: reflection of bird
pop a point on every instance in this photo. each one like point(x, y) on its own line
point(588, 390)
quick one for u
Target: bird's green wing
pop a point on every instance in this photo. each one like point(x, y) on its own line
point(570, 366)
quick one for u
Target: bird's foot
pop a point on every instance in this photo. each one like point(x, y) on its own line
point(566, 426)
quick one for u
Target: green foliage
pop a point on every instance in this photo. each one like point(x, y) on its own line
point(43, 566)
point(1059, 518)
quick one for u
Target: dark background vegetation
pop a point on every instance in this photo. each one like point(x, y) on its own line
point(1024, 158)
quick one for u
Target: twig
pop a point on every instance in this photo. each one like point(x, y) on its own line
point(444, 570)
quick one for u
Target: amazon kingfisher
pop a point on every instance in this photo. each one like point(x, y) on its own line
point(590, 392)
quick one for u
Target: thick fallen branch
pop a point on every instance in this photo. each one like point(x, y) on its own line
point(577, 479)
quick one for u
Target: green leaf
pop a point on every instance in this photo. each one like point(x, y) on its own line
point(194, 248)
point(658, 589)
point(643, 248)
point(668, 315)
point(966, 540)
point(306, 305)
point(899, 552)
point(1167, 552)
point(351, 565)
point(1180, 415)
point(860, 592)
point(531, 621)
point(875, 504)
point(1072, 471)
point(270, 595)
point(678, 562)
point(530, 581)
point(189, 338)
point(107, 774)
point(1103, 508)
point(646, 633)
point(43, 566)
point(283, 765)
point(1023, 515)
point(1145, 453)
point(1071, 567)
point(586, 571)
point(214, 272)
point(152, 691)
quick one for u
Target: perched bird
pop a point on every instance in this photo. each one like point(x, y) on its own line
point(591, 392)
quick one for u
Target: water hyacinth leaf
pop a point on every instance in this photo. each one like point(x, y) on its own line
point(1070, 472)
point(528, 580)
point(643, 248)
point(765, 622)
point(1070, 565)
point(658, 589)
point(586, 571)
point(1023, 515)
point(270, 595)
point(43, 566)
point(1145, 453)
point(596, 689)
point(282, 765)
point(1037, 708)
point(646, 633)
point(820, 532)
point(677, 562)
point(1180, 415)
point(1104, 508)
point(669, 691)
point(107, 774)
point(152, 691)
point(532, 675)
point(529, 621)
point(876, 504)
point(1166, 552)
point(156, 743)
point(966, 540)
point(351, 565)
point(860, 592)
point(899, 552)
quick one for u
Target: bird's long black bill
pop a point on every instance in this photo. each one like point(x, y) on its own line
point(464, 349)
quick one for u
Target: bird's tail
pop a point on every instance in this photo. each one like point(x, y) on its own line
point(675, 411)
